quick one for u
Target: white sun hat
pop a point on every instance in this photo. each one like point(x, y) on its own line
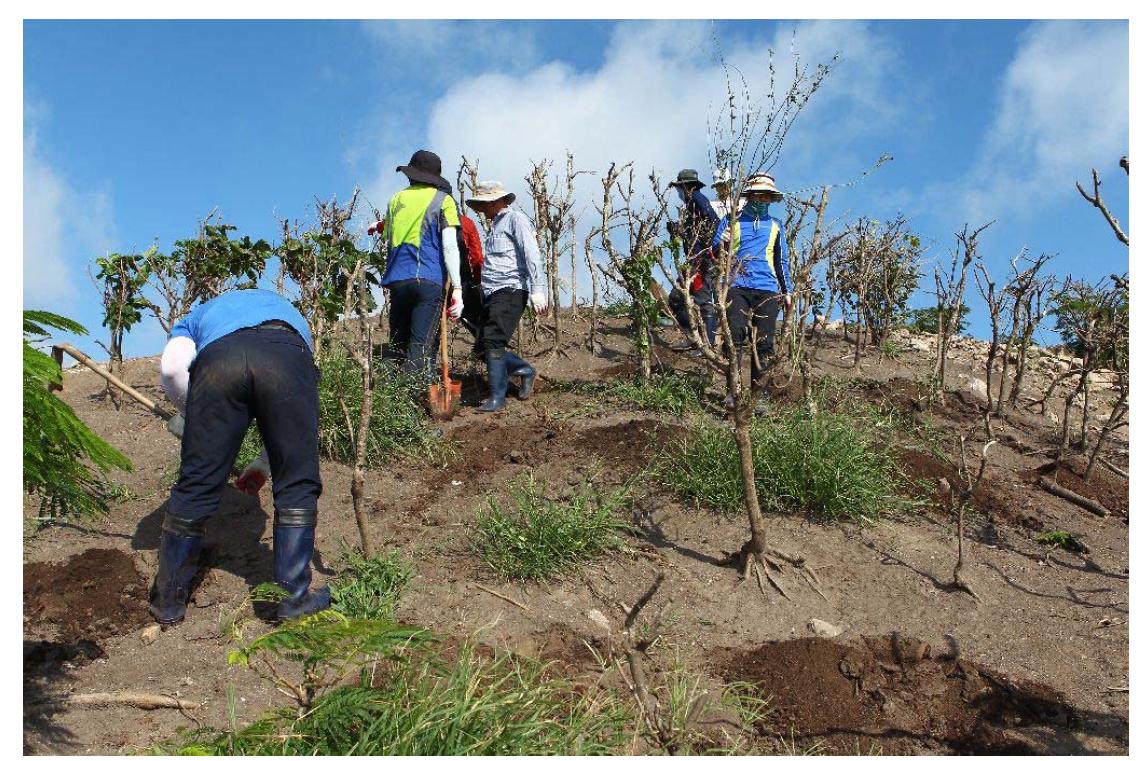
point(722, 177)
point(762, 183)
point(491, 190)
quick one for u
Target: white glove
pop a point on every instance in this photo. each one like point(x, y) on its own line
point(538, 302)
point(456, 307)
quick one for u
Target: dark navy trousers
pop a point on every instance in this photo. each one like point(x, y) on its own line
point(413, 319)
point(265, 374)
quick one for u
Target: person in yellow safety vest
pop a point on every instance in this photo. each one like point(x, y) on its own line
point(421, 226)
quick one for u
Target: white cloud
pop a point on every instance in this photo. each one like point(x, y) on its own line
point(64, 228)
point(650, 102)
point(1063, 109)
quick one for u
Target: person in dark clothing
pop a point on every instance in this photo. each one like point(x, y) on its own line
point(762, 284)
point(695, 228)
point(245, 355)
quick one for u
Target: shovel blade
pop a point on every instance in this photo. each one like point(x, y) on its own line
point(442, 399)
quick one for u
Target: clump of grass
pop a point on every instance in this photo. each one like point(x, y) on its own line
point(618, 308)
point(425, 706)
point(537, 537)
point(1066, 540)
point(251, 447)
point(370, 587)
point(399, 424)
point(689, 713)
point(824, 463)
point(672, 392)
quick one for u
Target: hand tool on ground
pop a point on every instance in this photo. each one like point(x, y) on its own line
point(442, 397)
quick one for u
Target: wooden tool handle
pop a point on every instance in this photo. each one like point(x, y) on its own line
point(57, 353)
point(443, 337)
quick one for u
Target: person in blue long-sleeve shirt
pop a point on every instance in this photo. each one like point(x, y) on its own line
point(762, 279)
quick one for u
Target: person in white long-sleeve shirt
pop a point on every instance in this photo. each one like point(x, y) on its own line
point(510, 278)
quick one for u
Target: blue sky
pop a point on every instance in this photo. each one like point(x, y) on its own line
point(134, 130)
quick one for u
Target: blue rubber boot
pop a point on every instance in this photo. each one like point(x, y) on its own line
point(177, 563)
point(517, 367)
point(497, 380)
point(293, 534)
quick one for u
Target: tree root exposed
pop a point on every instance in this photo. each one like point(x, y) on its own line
point(961, 583)
point(769, 565)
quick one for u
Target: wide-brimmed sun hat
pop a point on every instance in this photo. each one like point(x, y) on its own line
point(491, 190)
point(425, 167)
point(722, 177)
point(687, 177)
point(762, 183)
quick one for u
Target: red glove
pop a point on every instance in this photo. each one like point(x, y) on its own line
point(376, 227)
point(698, 283)
point(250, 482)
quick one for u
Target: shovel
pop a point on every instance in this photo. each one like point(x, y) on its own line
point(442, 396)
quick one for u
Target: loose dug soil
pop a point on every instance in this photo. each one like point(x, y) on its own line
point(892, 690)
point(627, 446)
point(487, 447)
point(1109, 489)
point(989, 497)
point(92, 596)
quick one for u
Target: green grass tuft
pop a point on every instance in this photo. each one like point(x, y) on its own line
point(370, 587)
point(399, 427)
point(671, 392)
point(539, 537)
point(824, 463)
point(1064, 539)
point(425, 706)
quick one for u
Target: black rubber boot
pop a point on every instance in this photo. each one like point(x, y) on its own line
point(293, 535)
point(177, 563)
point(497, 380)
point(517, 367)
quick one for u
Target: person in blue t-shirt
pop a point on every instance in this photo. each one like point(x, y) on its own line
point(245, 355)
point(762, 281)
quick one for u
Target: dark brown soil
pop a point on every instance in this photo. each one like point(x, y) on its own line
point(990, 498)
point(892, 689)
point(91, 596)
point(627, 446)
point(487, 446)
point(1109, 489)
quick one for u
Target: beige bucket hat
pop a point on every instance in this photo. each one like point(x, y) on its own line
point(762, 183)
point(722, 177)
point(488, 191)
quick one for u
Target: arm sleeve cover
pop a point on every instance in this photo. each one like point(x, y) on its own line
point(174, 369)
point(451, 255)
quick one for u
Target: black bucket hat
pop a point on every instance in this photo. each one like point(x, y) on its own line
point(687, 177)
point(425, 167)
